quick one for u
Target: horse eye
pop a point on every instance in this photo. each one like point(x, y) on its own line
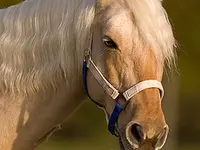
point(109, 43)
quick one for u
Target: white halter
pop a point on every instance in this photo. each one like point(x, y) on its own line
point(113, 92)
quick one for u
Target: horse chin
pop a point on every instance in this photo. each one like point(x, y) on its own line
point(124, 146)
point(121, 145)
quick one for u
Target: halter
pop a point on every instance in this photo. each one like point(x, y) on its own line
point(112, 91)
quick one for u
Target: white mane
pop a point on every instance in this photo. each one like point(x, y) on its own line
point(38, 42)
point(152, 21)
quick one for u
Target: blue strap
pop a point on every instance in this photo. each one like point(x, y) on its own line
point(114, 117)
point(118, 108)
point(84, 76)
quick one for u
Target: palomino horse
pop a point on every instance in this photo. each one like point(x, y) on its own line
point(117, 48)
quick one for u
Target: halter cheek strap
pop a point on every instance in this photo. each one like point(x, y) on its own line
point(110, 90)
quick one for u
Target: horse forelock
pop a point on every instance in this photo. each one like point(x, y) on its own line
point(154, 27)
point(150, 21)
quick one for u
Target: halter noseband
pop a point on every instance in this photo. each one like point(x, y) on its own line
point(112, 91)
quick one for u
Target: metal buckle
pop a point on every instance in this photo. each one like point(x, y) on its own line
point(87, 54)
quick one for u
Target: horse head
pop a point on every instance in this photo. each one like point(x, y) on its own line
point(130, 42)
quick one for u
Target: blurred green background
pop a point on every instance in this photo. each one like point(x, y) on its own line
point(87, 130)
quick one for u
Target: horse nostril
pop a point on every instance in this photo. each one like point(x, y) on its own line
point(162, 137)
point(137, 132)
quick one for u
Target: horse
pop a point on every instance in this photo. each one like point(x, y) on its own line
point(56, 53)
